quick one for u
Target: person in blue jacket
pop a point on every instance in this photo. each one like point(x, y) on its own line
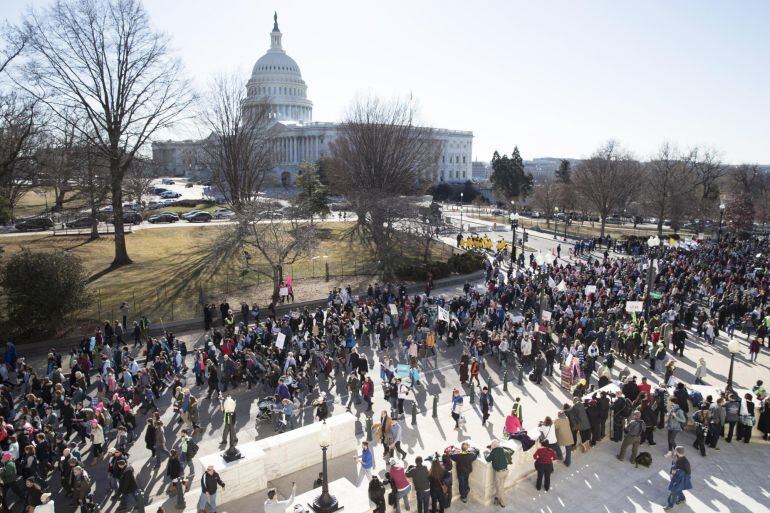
point(680, 478)
point(366, 462)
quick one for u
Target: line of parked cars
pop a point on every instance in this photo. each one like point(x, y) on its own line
point(37, 224)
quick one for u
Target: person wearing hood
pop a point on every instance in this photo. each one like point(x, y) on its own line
point(700, 371)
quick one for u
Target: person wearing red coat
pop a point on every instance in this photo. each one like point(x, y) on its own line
point(544, 457)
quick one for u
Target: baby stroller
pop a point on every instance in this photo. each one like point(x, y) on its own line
point(264, 411)
point(89, 504)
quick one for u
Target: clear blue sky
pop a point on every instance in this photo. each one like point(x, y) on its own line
point(556, 78)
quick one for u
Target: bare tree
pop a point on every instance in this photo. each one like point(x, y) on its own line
point(92, 184)
point(546, 196)
point(709, 170)
point(380, 161)
point(21, 130)
point(238, 152)
point(607, 181)
point(102, 61)
point(280, 241)
point(58, 159)
point(669, 180)
point(15, 41)
point(139, 179)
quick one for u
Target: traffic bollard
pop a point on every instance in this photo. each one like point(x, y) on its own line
point(435, 406)
point(369, 427)
point(473, 393)
point(414, 414)
point(505, 380)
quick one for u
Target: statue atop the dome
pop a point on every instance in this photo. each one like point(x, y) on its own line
point(275, 21)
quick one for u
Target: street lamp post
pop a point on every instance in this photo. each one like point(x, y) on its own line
point(555, 221)
point(514, 225)
point(326, 502)
point(461, 212)
point(721, 216)
point(734, 347)
point(653, 242)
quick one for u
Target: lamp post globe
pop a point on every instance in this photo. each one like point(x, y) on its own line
point(722, 208)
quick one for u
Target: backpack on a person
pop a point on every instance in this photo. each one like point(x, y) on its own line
point(192, 448)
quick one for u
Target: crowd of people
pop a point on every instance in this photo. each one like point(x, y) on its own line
point(568, 317)
point(700, 290)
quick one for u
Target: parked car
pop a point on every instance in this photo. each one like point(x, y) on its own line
point(170, 195)
point(190, 213)
point(35, 224)
point(164, 217)
point(129, 218)
point(159, 190)
point(133, 207)
point(167, 181)
point(199, 217)
point(83, 222)
point(223, 213)
point(189, 185)
point(498, 212)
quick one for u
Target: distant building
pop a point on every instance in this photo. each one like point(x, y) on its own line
point(480, 171)
point(276, 78)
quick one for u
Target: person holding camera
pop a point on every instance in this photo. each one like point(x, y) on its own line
point(273, 505)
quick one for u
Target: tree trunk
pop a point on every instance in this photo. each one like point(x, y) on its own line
point(95, 217)
point(58, 200)
point(604, 220)
point(660, 226)
point(427, 250)
point(276, 283)
point(121, 252)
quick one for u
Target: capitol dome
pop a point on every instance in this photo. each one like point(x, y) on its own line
point(277, 80)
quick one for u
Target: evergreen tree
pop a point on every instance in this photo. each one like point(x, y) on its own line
point(564, 172)
point(313, 196)
point(508, 176)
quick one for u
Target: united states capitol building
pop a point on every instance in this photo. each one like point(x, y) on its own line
point(277, 80)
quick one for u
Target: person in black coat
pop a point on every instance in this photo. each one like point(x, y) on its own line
point(595, 419)
point(377, 494)
point(149, 436)
point(173, 470)
point(682, 399)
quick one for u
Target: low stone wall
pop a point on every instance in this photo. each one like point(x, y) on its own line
point(270, 458)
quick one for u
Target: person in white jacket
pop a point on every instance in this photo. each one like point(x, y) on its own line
point(273, 505)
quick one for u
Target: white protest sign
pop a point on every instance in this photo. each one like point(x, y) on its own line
point(393, 309)
point(590, 289)
point(562, 286)
point(280, 340)
point(545, 315)
point(443, 314)
point(634, 306)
